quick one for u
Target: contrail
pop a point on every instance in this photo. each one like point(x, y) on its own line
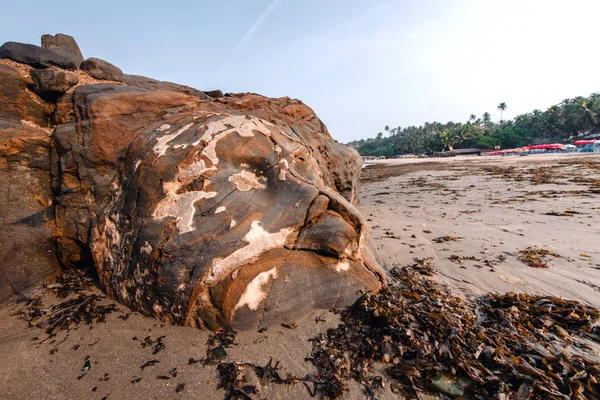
point(249, 33)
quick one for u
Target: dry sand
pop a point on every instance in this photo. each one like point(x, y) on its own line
point(408, 203)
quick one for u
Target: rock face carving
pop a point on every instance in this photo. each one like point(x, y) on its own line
point(235, 211)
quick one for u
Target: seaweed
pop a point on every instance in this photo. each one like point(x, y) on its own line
point(427, 341)
point(535, 257)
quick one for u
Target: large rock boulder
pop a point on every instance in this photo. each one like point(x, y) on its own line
point(27, 254)
point(204, 214)
point(35, 56)
point(236, 211)
point(64, 45)
point(102, 70)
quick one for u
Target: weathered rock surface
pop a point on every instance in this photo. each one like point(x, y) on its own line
point(215, 94)
point(235, 212)
point(152, 84)
point(64, 45)
point(35, 56)
point(26, 209)
point(101, 69)
point(52, 83)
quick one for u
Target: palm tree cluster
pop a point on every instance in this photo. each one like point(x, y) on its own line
point(570, 119)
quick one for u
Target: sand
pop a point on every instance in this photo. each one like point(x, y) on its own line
point(408, 204)
point(495, 216)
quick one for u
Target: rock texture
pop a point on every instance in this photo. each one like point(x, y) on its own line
point(52, 83)
point(152, 84)
point(35, 56)
point(27, 254)
point(64, 45)
point(235, 211)
point(101, 69)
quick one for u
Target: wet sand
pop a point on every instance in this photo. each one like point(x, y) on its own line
point(495, 206)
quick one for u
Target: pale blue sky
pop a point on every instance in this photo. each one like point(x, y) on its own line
point(360, 65)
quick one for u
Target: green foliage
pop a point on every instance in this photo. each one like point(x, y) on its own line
point(559, 123)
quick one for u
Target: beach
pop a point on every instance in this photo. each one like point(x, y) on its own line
point(495, 207)
point(471, 216)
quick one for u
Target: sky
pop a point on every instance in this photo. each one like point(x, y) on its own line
point(361, 65)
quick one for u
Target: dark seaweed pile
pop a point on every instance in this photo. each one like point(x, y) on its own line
point(78, 307)
point(423, 340)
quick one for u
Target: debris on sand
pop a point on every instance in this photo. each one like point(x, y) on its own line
point(426, 341)
point(158, 344)
point(444, 239)
point(70, 282)
point(566, 213)
point(86, 308)
point(535, 257)
point(217, 343)
point(149, 363)
point(241, 380)
point(66, 315)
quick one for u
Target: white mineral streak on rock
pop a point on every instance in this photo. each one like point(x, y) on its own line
point(245, 181)
point(137, 164)
point(232, 224)
point(258, 241)
point(181, 205)
point(161, 143)
point(283, 169)
point(194, 170)
point(220, 209)
point(163, 127)
point(240, 124)
point(254, 294)
point(146, 248)
point(342, 266)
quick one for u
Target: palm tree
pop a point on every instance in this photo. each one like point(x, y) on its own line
point(584, 113)
point(487, 119)
point(501, 107)
point(473, 117)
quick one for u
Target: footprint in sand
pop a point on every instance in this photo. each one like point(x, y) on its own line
point(513, 280)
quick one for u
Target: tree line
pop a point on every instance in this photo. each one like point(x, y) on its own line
point(563, 122)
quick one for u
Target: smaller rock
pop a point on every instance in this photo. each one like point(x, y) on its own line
point(35, 56)
point(101, 69)
point(64, 45)
point(215, 94)
point(52, 83)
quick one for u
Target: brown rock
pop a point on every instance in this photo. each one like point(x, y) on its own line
point(215, 94)
point(51, 83)
point(26, 211)
point(235, 212)
point(18, 103)
point(64, 45)
point(102, 70)
point(154, 85)
point(35, 56)
point(199, 215)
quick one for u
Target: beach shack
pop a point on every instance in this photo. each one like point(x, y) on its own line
point(584, 145)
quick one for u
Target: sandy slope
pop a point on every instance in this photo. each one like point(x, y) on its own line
point(408, 203)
